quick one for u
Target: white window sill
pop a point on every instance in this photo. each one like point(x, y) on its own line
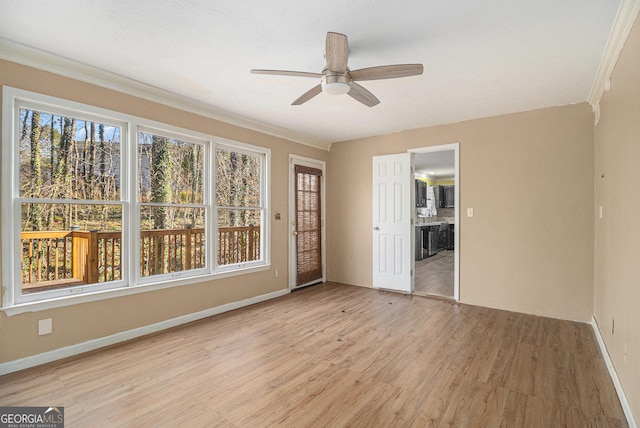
point(60, 302)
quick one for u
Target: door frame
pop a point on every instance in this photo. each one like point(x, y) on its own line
point(456, 149)
point(293, 260)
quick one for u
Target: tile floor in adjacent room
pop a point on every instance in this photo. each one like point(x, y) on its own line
point(434, 275)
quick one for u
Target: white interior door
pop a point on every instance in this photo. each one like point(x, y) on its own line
point(393, 195)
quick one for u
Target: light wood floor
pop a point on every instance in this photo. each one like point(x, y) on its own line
point(337, 355)
point(434, 275)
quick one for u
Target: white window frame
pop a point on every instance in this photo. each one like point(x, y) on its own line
point(207, 143)
point(264, 232)
point(14, 302)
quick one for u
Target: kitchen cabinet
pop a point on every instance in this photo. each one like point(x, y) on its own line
point(443, 243)
point(421, 193)
point(449, 196)
point(452, 235)
point(445, 196)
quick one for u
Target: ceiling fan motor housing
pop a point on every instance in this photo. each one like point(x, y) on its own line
point(336, 84)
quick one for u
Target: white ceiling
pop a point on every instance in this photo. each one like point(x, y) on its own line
point(481, 57)
point(438, 165)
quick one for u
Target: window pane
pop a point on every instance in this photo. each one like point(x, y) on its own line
point(177, 217)
point(170, 170)
point(178, 245)
point(172, 238)
point(237, 179)
point(239, 236)
point(73, 245)
point(68, 158)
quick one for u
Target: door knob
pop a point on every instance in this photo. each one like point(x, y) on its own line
point(295, 233)
point(376, 228)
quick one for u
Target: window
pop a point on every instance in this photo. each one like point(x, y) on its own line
point(98, 200)
point(239, 206)
point(172, 204)
point(69, 197)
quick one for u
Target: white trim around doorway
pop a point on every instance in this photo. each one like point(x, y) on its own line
point(321, 165)
point(456, 148)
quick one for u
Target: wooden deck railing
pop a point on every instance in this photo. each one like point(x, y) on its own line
point(238, 244)
point(171, 250)
point(65, 258)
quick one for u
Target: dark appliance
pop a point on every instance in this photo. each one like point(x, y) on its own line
point(427, 241)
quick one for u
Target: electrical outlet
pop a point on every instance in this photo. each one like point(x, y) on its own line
point(277, 274)
point(45, 326)
point(469, 212)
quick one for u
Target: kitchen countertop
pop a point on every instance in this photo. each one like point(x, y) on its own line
point(431, 223)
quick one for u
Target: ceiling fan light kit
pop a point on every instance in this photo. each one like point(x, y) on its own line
point(336, 84)
point(337, 79)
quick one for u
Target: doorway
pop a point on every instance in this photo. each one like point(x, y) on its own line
point(307, 219)
point(436, 220)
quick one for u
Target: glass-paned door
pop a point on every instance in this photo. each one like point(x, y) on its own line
point(308, 185)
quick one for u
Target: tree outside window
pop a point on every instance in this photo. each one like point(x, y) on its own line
point(97, 200)
point(69, 181)
point(172, 204)
point(239, 206)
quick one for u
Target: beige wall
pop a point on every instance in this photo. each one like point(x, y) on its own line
point(529, 248)
point(83, 322)
point(528, 176)
point(617, 234)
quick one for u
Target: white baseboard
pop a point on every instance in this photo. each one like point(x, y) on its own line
point(68, 351)
point(614, 376)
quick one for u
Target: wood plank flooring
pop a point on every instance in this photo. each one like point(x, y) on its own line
point(338, 355)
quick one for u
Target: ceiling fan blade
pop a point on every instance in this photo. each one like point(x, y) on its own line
point(387, 72)
point(361, 94)
point(307, 95)
point(336, 52)
point(286, 73)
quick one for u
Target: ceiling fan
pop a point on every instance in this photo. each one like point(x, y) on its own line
point(337, 79)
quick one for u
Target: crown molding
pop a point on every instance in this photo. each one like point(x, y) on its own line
point(622, 25)
point(35, 58)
